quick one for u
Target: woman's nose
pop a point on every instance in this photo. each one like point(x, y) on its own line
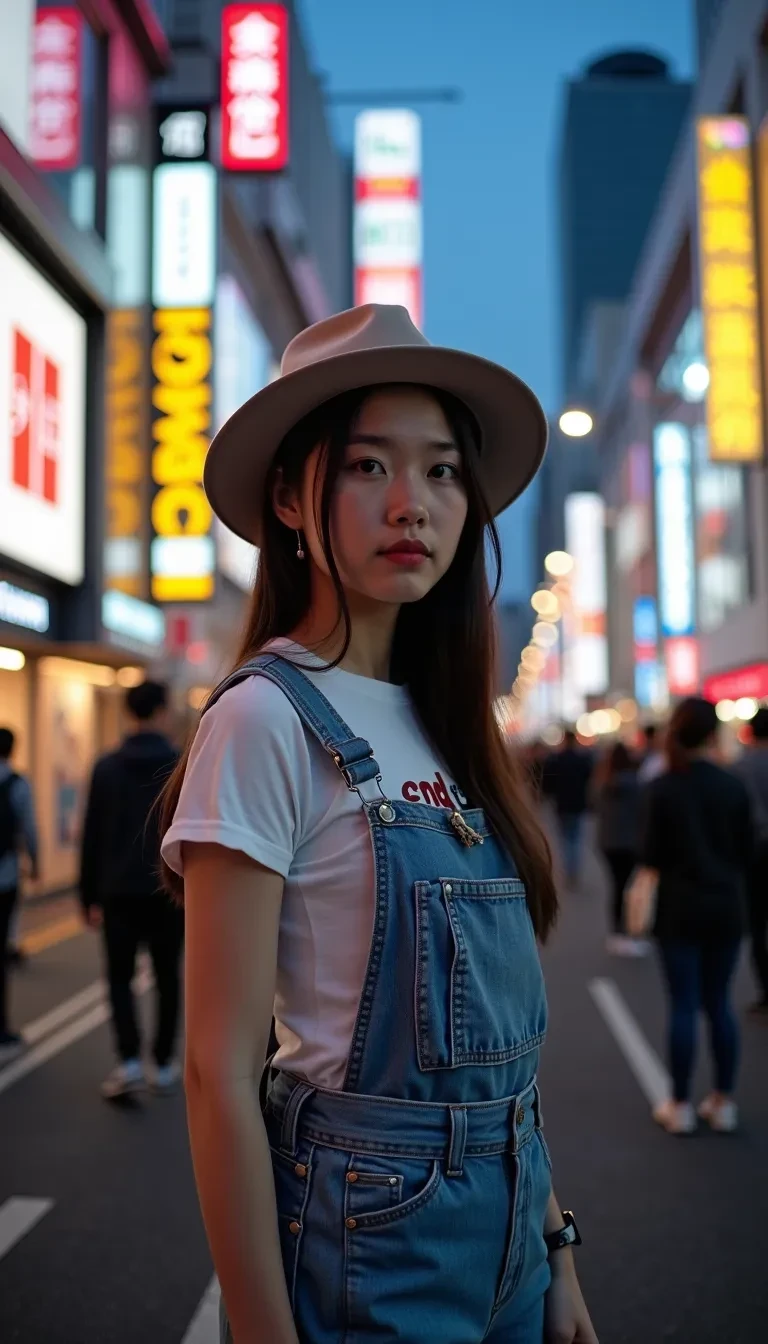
point(407, 507)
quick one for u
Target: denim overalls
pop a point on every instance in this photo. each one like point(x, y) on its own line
point(411, 1204)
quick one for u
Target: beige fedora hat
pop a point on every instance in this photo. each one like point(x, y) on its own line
point(366, 347)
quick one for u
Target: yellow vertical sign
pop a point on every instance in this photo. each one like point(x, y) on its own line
point(729, 290)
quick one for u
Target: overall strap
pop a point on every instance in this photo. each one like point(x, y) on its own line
point(352, 755)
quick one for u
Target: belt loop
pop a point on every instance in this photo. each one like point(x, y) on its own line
point(458, 1141)
point(301, 1093)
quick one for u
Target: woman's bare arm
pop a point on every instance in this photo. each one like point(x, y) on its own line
point(232, 923)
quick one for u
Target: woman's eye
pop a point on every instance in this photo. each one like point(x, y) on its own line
point(367, 466)
point(445, 471)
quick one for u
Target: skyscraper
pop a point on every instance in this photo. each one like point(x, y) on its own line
point(622, 119)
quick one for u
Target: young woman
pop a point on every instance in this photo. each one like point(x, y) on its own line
point(357, 856)
point(616, 796)
point(696, 851)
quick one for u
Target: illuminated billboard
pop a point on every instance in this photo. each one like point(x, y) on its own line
point(254, 88)
point(729, 289)
point(674, 529)
point(56, 88)
point(585, 542)
point(388, 217)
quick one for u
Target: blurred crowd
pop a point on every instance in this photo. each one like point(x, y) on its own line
point(682, 829)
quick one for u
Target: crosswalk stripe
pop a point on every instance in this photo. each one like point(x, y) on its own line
point(17, 1218)
point(43, 1026)
point(60, 1040)
point(641, 1057)
point(204, 1326)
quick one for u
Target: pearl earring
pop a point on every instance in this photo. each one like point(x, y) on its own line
point(300, 551)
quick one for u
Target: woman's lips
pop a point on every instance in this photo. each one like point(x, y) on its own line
point(408, 554)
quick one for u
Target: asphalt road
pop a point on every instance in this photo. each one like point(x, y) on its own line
point(101, 1240)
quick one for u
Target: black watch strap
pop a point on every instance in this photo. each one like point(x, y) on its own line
point(568, 1235)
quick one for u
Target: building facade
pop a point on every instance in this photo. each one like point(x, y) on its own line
point(284, 260)
point(74, 107)
point(681, 416)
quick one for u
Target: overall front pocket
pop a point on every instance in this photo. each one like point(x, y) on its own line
point(479, 986)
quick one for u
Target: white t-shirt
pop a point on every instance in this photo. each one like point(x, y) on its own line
point(258, 782)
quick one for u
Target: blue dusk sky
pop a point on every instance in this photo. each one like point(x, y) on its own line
point(489, 175)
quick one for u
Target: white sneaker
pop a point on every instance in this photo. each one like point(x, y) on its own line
point(638, 947)
point(677, 1117)
point(166, 1080)
point(722, 1116)
point(125, 1080)
point(618, 946)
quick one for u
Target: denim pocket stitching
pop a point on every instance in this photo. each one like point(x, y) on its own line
point(297, 1217)
point(426, 1060)
point(365, 1221)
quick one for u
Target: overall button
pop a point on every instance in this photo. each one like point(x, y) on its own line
point(520, 1115)
point(300, 1170)
point(393, 1180)
point(352, 1177)
point(387, 812)
point(351, 1223)
point(448, 889)
point(294, 1228)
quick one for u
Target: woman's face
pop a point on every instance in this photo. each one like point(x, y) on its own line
point(399, 504)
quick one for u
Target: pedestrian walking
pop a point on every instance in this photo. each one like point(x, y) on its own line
point(18, 833)
point(122, 892)
point(654, 761)
point(357, 847)
point(617, 796)
point(566, 777)
point(752, 769)
point(695, 853)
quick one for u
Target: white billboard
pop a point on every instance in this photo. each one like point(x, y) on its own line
point(585, 541)
point(388, 228)
point(674, 527)
point(42, 422)
point(184, 235)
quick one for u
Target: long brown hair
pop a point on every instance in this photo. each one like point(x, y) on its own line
point(444, 648)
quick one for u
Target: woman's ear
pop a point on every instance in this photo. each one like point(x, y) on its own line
point(285, 503)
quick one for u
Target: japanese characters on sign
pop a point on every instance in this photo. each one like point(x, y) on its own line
point(56, 89)
point(388, 235)
point(729, 290)
point(254, 88)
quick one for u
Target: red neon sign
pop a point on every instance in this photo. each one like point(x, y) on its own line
point(254, 88)
point(56, 89)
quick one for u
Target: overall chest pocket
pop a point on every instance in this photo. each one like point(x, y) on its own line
point(479, 986)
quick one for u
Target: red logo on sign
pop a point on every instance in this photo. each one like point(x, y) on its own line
point(55, 113)
point(35, 420)
point(254, 88)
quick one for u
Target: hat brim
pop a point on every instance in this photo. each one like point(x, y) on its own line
point(511, 420)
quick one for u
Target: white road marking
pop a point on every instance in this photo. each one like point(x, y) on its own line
point(17, 1218)
point(204, 1326)
point(43, 1026)
point(641, 1057)
point(60, 1040)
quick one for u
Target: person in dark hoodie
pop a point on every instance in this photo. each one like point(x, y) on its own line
point(121, 892)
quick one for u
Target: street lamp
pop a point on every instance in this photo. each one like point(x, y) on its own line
point(575, 424)
point(558, 564)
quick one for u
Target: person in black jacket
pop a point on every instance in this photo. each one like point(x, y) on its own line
point(696, 850)
point(121, 891)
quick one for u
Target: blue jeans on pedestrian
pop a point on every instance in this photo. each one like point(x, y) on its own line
point(572, 840)
point(699, 976)
point(411, 1202)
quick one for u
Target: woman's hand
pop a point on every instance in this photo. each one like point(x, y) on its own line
point(566, 1319)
